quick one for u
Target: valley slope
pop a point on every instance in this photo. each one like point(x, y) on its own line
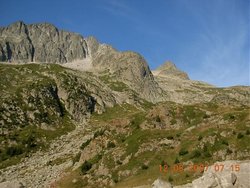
point(78, 113)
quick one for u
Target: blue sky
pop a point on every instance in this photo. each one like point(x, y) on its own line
point(209, 39)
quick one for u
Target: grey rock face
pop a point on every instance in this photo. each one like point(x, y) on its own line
point(127, 67)
point(40, 43)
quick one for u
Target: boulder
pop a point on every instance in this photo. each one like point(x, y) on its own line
point(159, 183)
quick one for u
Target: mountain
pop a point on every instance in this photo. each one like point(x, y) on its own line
point(179, 88)
point(168, 69)
point(78, 113)
point(45, 43)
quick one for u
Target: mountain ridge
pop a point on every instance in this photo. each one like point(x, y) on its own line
point(98, 117)
point(45, 43)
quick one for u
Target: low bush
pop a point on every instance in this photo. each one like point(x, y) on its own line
point(240, 135)
point(14, 150)
point(85, 144)
point(200, 138)
point(110, 144)
point(183, 151)
point(86, 166)
point(195, 154)
point(144, 167)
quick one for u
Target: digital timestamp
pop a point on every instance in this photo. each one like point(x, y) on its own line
point(179, 168)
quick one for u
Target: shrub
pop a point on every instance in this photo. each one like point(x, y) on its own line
point(144, 167)
point(110, 144)
point(195, 154)
point(86, 166)
point(183, 152)
point(205, 116)
point(247, 132)
point(30, 141)
point(115, 179)
point(200, 138)
point(99, 133)
point(173, 121)
point(85, 144)
point(119, 162)
point(170, 179)
point(176, 161)
point(207, 154)
point(240, 135)
point(224, 142)
point(229, 151)
point(205, 149)
point(14, 150)
point(170, 137)
point(158, 119)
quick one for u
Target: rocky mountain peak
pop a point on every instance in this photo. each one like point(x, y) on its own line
point(169, 69)
point(168, 65)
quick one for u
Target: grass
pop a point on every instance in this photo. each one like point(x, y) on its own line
point(192, 115)
point(113, 83)
point(146, 164)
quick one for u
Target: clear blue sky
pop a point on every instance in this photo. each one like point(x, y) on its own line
point(209, 39)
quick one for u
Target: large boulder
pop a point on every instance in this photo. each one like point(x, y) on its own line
point(159, 183)
point(233, 174)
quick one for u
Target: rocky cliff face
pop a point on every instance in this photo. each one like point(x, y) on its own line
point(127, 67)
point(45, 43)
point(40, 43)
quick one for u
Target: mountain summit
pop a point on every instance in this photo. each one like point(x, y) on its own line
point(170, 69)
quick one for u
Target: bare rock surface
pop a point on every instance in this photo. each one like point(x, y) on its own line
point(234, 174)
point(41, 43)
point(170, 69)
point(159, 183)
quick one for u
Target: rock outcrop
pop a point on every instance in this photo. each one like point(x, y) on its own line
point(159, 183)
point(127, 67)
point(233, 174)
point(40, 43)
point(230, 176)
